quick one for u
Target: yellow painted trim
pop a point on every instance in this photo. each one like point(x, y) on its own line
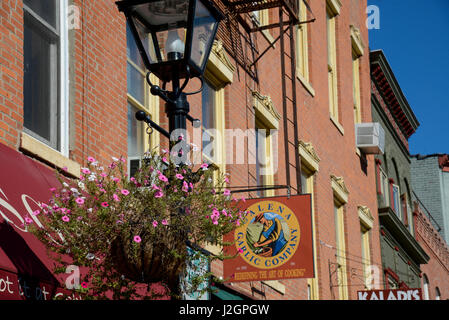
point(305, 83)
point(366, 255)
point(341, 252)
point(313, 282)
point(302, 50)
point(42, 151)
point(332, 65)
point(219, 69)
point(356, 89)
point(338, 125)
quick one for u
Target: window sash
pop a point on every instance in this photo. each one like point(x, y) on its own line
point(384, 186)
point(356, 89)
point(341, 250)
point(332, 64)
point(56, 104)
point(396, 200)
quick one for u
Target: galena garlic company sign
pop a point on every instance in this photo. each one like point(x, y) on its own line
point(273, 242)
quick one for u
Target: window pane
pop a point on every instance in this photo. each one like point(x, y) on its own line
point(208, 118)
point(304, 177)
point(46, 9)
point(40, 82)
point(136, 84)
point(135, 134)
point(131, 49)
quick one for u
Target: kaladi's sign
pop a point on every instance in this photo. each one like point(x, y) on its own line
point(273, 242)
point(397, 294)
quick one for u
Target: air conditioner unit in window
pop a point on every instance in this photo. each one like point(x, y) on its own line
point(370, 137)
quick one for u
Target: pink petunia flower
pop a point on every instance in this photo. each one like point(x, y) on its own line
point(137, 239)
point(105, 204)
point(204, 166)
point(179, 176)
point(28, 220)
point(84, 285)
point(155, 224)
point(125, 192)
point(36, 212)
point(159, 194)
point(227, 192)
point(65, 219)
point(164, 222)
point(80, 201)
point(163, 178)
point(116, 197)
point(85, 171)
point(90, 159)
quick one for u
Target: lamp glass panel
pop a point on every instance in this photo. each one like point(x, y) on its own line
point(204, 25)
point(167, 12)
point(168, 20)
point(171, 41)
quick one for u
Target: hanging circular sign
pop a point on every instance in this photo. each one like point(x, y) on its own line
point(269, 236)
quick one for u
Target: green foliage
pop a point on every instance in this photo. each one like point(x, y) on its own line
point(130, 233)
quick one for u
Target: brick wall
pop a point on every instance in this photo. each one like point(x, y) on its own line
point(98, 119)
point(436, 270)
point(337, 151)
point(11, 72)
point(99, 89)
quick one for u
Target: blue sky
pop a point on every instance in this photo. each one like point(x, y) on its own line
point(414, 35)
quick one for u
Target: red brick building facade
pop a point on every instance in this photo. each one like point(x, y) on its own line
point(435, 274)
point(312, 102)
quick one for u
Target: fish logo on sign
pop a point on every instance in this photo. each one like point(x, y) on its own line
point(269, 236)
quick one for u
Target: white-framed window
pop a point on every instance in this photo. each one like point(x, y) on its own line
point(209, 119)
point(45, 85)
point(384, 186)
point(426, 288)
point(396, 193)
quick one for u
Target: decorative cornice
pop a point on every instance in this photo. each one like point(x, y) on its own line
point(366, 216)
point(309, 155)
point(218, 49)
point(341, 182)
point(357, 41)
point(310, 149)
point(339, 187)
point(335, 6)
point(265, 106)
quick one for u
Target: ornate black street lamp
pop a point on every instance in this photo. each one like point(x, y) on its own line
point(174, 38)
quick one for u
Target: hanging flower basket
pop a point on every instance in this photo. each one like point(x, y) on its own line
point(130, 232)
point(155, 261)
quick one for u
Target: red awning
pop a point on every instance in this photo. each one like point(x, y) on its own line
point(25, 268)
